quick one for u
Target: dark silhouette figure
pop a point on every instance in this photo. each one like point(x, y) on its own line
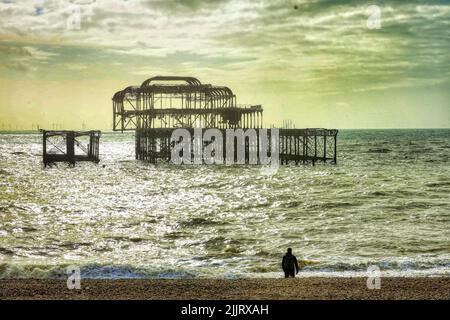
point(289, 264)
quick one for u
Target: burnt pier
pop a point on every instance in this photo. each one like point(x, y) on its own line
point(164, 103)
point(70, 146)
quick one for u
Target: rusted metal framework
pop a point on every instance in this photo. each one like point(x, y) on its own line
point(181, 102)
point(308, 145)
point(164, 103)
point(296, 146)
point(70, 146)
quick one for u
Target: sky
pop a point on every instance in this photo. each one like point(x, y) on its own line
point(320, 63)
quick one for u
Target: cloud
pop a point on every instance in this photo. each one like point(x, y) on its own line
point(309, 43)
point(39, 54)
point(183, 5)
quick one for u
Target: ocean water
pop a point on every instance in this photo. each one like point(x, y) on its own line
point(386, 203)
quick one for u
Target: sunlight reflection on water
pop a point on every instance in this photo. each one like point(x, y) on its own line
point(132, 219)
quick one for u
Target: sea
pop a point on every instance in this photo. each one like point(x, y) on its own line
point(385, 205)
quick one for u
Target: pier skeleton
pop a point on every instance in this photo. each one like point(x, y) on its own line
point(164, 103)
point(70, 146)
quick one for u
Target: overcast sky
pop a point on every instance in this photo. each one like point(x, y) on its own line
point(315, 62)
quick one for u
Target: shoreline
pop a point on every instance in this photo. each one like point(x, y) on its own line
point(220, 289)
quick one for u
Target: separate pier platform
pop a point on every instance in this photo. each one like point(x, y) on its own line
point(296, 146)
point(70, 146)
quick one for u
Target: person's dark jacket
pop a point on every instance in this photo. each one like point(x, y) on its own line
point(289, 263)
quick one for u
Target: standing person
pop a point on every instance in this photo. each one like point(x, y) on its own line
point(289, 264)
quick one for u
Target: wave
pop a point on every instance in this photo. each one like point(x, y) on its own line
point(199, 221)
point(89, 271)
point(379, 150)
point(391, 267)
point(334, 205)
point(438, 184)
point(401, 264)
